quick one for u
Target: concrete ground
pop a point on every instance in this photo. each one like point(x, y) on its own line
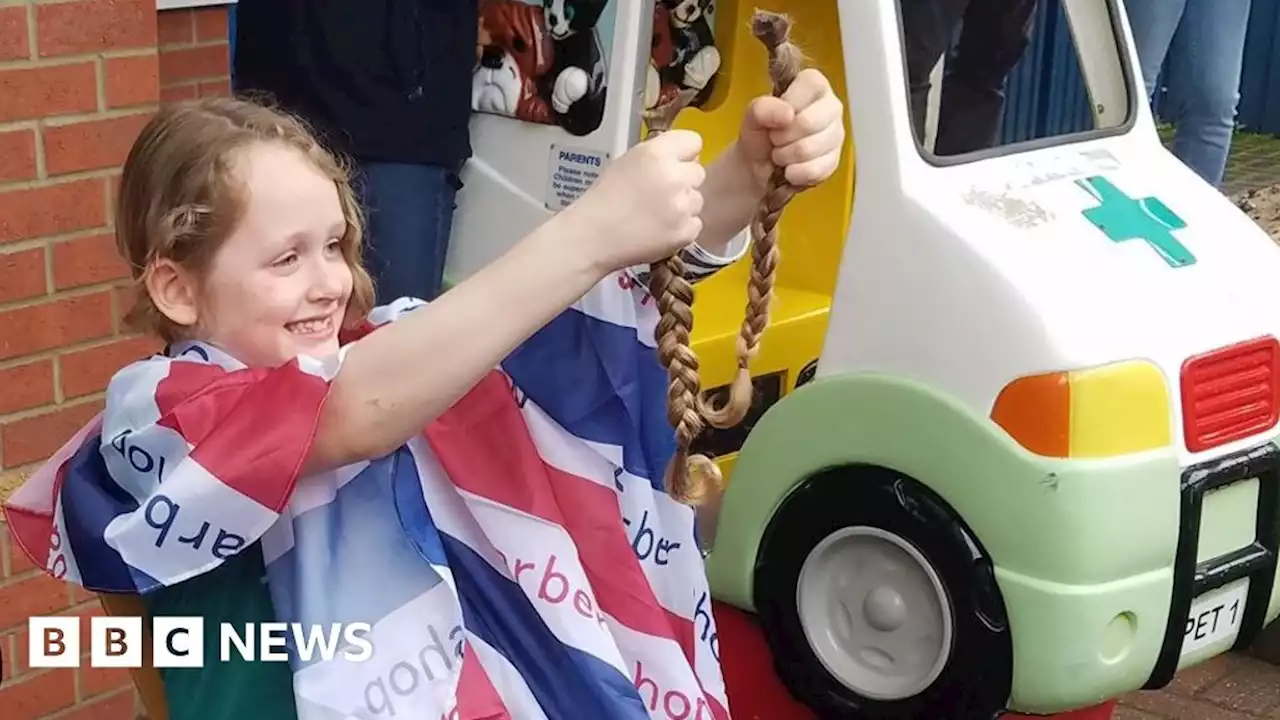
point(1230, 687)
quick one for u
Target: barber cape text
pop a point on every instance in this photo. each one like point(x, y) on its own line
point(118, 641)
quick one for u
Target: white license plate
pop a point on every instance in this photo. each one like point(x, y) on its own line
point(1214, 616)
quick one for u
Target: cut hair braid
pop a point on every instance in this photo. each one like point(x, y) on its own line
point(689, 479)
point(693, 479)
point(785, 62)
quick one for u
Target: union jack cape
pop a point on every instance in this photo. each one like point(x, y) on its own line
point(519, 559)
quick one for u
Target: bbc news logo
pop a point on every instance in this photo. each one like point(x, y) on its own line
point(179, 642)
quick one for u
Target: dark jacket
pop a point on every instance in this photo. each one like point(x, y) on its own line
point(380, 80)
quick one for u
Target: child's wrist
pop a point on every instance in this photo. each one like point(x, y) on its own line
point(576, 234)
point(753, 177)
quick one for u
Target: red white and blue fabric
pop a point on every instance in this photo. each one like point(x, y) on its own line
point(518, 560)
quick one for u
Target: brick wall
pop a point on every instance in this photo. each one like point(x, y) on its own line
point(77, 80)
point(193, 53)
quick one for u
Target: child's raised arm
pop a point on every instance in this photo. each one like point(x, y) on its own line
point(801, 132)
point(394, 382)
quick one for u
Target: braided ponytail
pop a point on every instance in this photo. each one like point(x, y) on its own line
point(693, 479)
point(785, 62)
point(689, 479)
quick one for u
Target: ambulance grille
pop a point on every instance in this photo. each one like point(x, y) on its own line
point(1230, 393)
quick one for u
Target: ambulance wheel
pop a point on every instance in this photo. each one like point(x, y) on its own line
point(878, 603)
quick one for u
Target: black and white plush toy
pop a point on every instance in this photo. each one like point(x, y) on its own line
point(696, 58)
point(576, 83)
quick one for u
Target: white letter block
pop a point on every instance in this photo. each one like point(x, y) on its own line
point(53, 642)
point(178, 642)
point(116, 642)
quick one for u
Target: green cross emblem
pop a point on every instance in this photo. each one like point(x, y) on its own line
point(1123, 218)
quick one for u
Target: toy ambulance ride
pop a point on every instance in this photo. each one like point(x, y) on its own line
point(1014, 442)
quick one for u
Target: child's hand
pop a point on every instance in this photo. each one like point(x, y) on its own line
point(802, 131)
point(646, 205)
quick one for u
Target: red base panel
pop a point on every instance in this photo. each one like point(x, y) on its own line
point(755, 693)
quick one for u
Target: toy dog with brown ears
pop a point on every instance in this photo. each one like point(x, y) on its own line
point(515, 55)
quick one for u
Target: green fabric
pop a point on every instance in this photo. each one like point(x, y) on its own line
point(237, 690)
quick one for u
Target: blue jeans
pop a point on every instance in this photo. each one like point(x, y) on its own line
point(1204, 40)
point(409, 210)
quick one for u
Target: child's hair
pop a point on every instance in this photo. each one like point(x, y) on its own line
point(692, 478)
point(179, 198)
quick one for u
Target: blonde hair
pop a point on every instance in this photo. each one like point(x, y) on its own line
point(179, 198)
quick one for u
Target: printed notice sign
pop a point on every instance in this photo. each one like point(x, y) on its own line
point(572, 171)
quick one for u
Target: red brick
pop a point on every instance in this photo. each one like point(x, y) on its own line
point(96, 681)
point(215, 88)
point(92, 26)
point(36, 595)
point(182, 64)
point(176, 27)
point(37, 437)
point(45, 91)
point(177, 93)
point(77, 205)
point(91, 145)
point(87, 260)
point(39, 695)
point(1251, 687)
point(125, 297)
point(17, 153)
point(1198, 677)
point(31, 329)
point(21, 661)
point(132, 80)
point(21, 275)
point(13, 33)
point(7, 653)
point(211, 24)
point(85, 613)
point(1175, 707)
point(116, 706)
point(88, 371)
point(113, 191)
point(1128, 713)
point(80, 595)
point(27, 386)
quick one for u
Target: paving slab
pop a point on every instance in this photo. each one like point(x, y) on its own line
point(1229, 687)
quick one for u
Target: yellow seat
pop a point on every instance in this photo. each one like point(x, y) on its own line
point(146, 679)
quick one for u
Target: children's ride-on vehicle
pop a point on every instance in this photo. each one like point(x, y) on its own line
point(1014, 437)
point(1013, 444)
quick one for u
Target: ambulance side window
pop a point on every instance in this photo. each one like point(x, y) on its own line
point(984, 75)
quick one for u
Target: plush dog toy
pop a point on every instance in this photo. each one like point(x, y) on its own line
point(658, 90)
point(696, 60)
point(515, 53)
point(576, 83)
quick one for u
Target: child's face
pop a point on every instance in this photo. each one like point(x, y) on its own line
point(278, 287)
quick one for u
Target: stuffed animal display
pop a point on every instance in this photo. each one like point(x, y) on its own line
point(683, 55)
point(541, 61)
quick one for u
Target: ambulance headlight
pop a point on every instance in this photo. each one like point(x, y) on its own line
point(1098, 412)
